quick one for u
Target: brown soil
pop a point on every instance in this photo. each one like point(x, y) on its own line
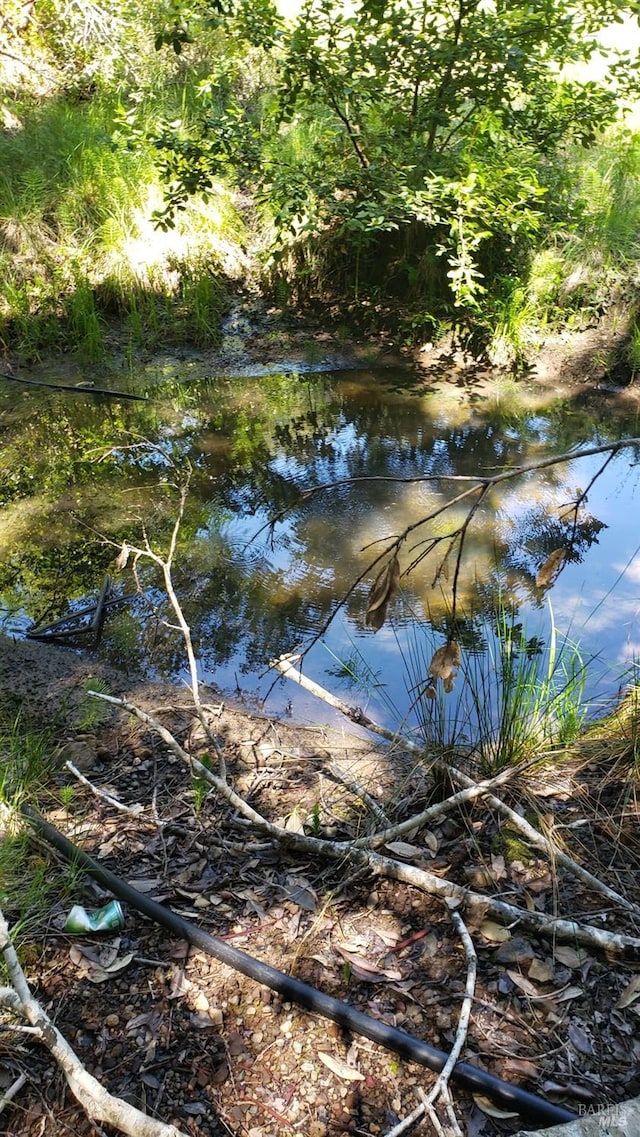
point(194, 1042)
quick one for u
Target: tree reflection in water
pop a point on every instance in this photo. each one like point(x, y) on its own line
point(73, 470)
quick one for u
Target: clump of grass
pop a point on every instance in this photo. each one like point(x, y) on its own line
point(513, 696)
point(615, 738)
point(25, 768)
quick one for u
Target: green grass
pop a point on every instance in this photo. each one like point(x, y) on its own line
point(25, 768)
point(589, 261)
point(513, 696)
point(30, 884)
point(78, 247)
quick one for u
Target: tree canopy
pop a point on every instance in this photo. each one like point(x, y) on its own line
point(413, 148)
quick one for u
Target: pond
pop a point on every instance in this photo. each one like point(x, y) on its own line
point(261, 564)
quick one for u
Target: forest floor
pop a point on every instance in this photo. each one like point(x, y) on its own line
point(191, 1041)
point(188, 1039)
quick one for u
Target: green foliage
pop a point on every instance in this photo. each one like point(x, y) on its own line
point(77, 242)
point(444, 160)
point(527, 699)
point(404, 151)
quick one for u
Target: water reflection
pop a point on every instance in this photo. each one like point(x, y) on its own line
point(76, 469)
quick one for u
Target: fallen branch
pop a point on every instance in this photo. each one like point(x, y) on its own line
point(97, 1102)
point(285, 667)
point(97, 623)
point(58, 629)
point(75, 388)
point(134, 810)
point(549, 926)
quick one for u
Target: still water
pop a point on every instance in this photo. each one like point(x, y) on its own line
point(264, 567)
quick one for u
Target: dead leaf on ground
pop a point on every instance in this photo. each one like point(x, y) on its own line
point(367, 969)
point(405, 850)
point(525, 985)
point(569, 956)
point(99, 966)
point(580, 1039)
point(568, 994)
point(541, 971)
point(492, 1110)
point(340, 1068)
point(630, 994)
point(494, 932)
point(549, 570)
point(431, 841)
point(382, 592)
point(519, 1068)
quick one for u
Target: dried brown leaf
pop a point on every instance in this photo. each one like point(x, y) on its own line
point(494, 932)
point(445, 661)
point(404, 850)
point(431, 841)
point(540, 971)
point(519, 1068)
point(548, 571)
point(630, 994)
point(568, 994)
point(489, 1108)
point(382, 592)
point(525, 985)
point(569, 956)
point(340, 1068)
point(122, 557)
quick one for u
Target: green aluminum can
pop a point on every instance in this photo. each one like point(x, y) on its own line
point(107, 919)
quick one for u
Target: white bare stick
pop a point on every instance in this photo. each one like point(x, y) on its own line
point(113, 801)
point(387, 866)
point(11, 1092)
point(440, 1088)
point(97, 1102)
point(285, 666)
point(165, 565)
point(360, 792)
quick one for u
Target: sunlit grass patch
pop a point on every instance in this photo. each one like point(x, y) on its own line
point(614, 739)
point(78, 246)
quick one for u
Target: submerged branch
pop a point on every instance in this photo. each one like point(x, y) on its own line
point(75, 388)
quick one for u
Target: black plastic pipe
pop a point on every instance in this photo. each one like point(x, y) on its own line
point(537, 1110)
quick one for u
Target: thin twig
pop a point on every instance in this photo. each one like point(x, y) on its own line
point(440, 1088)
point(12, 1091)
point(134, 810)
